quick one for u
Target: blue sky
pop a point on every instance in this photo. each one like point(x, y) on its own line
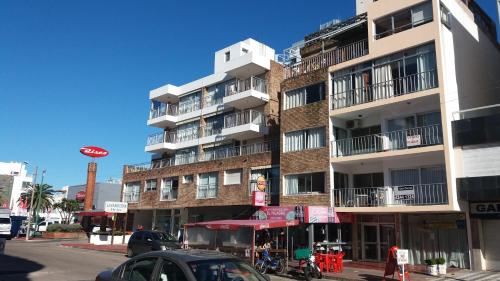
point(75, 73)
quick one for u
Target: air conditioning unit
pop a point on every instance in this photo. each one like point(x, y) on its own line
point(353, 124)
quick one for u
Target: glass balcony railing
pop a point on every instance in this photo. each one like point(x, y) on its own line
point(407, 195)
point(164, 109)
point(243, 118)
point(252, 83)
point(396, 140)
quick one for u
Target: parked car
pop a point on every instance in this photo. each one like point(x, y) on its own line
point(5, 226)
point(183, 265)
point(42, 226)
point(149, 240)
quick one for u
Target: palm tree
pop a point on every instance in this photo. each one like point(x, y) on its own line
point(43, 192)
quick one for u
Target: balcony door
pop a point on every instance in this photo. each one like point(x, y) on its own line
point(366, 190)
point(429, 185)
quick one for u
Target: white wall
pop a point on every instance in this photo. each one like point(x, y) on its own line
point(20, 175)
point(481, 161)
point(236, 51)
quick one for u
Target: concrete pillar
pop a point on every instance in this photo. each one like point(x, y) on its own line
point(310, 235)
point(89, 190)
point(153, 223)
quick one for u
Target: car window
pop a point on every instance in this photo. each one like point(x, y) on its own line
point(139, 270)
point(171, 272)
point(224, 270)
point(138, 236)
point(4, 220)
point(163, 236)
point(49, 223)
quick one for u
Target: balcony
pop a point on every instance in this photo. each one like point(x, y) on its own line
point(389, 196)
point(164, 116)
point(245, 125)
point(216, 154)
point(385, 90)
point(327, 59)
point(131, 197)
point(396, 140)
point(248, 93)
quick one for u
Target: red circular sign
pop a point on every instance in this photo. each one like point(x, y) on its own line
point(80, 196)
point(94, 151)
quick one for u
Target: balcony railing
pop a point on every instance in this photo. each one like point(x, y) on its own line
point(407, 195)
point(385, 90)
point(336, 56)
point(215, 154)
point(252, 83)
point(396, 140)
point(131, 197)
point(243, 118)
point(205, 191)
point(173, 137)
point(164, 109)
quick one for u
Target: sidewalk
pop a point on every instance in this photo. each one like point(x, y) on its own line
point(122, 249)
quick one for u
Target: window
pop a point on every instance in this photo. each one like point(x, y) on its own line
point(244, 51)
point(140, 270)
point(305, 183)
point(171, 272)
point(169, 188)
point(189, 102)
point(305, 139)
point(445, 16)
point(131, 192)
point(213, 125)
point(207, 185)
point(186, 156)
point(227, 56)
point(306, 95)
point(403, 20)
point(150, 185)
point(188, 131)
point(187, 179)
point(340, 180)
point(232, 176)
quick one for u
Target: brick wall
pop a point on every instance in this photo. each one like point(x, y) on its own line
point(313, 160)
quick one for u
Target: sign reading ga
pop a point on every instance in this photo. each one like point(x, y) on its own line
point(115, 207)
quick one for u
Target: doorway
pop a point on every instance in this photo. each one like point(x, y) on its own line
point(376, 239)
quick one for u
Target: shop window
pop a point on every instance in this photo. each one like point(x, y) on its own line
point(150, 185)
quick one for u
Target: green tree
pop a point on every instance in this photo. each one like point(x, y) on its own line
point(46, 194)
point(67, 209)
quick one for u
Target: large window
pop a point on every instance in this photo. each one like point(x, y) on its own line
point(305, 183)
point(186, 155)
point(207, 185)
point(169, 188)
point(131, 191)
point(303, 96)
point(188, 131)
point(215, 94)
point(189, 102)
point(305, 139)
point(403, 20)
point(213, 125)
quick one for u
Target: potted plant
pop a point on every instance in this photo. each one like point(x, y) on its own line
point(431, 267)
point(441, 266)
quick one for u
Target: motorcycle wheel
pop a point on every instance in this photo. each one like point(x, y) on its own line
point(317, 272)
point(280, 267)
point(308, 273)
point(261, 267)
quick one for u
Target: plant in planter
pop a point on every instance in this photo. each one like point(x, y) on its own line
point(431, 267)
point(441, 266)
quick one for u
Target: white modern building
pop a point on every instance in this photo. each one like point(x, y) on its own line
point(14, 179)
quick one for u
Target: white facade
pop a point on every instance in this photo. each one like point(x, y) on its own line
point(21, 179)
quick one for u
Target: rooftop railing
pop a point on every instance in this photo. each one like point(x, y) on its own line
point(244, 117)
point(252, 83)
point(335, 56)
point(385, 90)
point(406, 195)
point(395, 140)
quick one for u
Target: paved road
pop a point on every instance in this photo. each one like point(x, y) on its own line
point(47, 260)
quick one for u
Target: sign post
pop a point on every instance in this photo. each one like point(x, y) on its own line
point(115, 208)
point(402, 259)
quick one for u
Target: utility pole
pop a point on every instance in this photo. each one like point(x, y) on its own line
point(39, 198)
point(33, 186)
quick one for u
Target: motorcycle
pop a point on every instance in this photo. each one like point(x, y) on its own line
point(267, 262)
point(310, 268)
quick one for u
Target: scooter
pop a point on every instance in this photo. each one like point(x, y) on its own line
point(267, 262)
point(310, 268)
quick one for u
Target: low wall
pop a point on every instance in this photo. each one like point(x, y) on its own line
point(64, 235)
point(99, 239)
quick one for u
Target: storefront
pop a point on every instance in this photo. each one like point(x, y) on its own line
point(486, 216)
point(374, 236)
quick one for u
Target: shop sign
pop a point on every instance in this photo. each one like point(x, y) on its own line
point(115, 207)
point(261, 183)
point(258, 198)
point(94, 151)
point(402, 256)
point(318, 214)
point(405, 192)
point(413, 140)
point(485, 209)
point(80, 196)
point(275, 213)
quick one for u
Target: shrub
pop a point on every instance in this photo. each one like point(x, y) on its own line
point(430, 262)
point(57, 227)
point(440, 261)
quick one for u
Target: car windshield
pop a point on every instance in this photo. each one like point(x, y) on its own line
point(4, 220)
point(163, 236)
point(224, 270)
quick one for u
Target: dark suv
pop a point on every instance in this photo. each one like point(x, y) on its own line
point(147, 240)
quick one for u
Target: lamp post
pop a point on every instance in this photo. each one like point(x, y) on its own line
point(39, 198)
point(33, 186)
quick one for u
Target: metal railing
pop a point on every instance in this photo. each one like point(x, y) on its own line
point(173, 137)
point(205, 191)
point(131, 197)
point(252, 83)
point(244, 117)
point(335, 56)
point(164, 109)
point(406, 195)
point(215, 154)
point(385, 90)
point(395, 140)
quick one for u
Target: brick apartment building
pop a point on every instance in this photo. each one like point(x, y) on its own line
point(218, 135)
point(357, 118)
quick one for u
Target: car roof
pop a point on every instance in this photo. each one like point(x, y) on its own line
point(189, 255)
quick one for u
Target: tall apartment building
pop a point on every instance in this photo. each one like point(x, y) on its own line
point(366, 125)
point(14, 179)
point(216, 137)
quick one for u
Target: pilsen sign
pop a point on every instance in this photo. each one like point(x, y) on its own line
point(94, 151)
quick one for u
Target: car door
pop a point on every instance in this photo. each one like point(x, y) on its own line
point(147, 242)
point(136, 241)
point(170, 271)
point(142, 269)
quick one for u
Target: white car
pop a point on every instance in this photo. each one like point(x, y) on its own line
point(5, 226)
point(44, 224)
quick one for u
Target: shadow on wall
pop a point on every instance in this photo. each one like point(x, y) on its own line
point(14, 268)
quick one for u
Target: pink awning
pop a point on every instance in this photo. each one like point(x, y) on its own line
point(236, 224)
